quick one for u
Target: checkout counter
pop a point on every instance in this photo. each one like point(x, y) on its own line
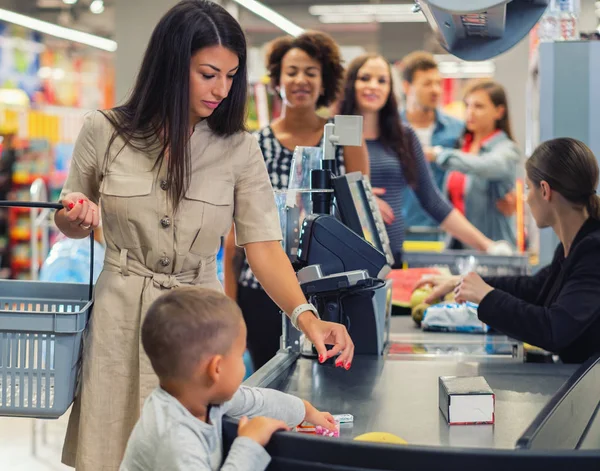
point(546, 416)
point(342, 260)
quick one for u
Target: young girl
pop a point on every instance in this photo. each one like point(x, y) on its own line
point(481, 176)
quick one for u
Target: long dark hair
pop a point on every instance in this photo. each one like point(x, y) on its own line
point(156, 114)
point(497, 95)
point(570, 168)
point(391, 131)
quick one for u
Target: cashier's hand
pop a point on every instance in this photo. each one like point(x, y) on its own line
point(316, 417)
point(442, 285)
point(260, 429)
point(387, 213)
point(472, 288)
point(322, 333)
point(81, 212)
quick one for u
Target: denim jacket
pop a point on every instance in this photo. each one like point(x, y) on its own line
point(446, 134)
point(490, 175)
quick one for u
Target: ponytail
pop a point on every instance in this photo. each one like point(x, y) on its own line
point(571, 169)
point(593, 206)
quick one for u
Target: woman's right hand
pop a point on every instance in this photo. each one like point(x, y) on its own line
point(442, 285)
point(80, 212)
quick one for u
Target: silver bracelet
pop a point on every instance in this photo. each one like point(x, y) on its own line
point(301, 309)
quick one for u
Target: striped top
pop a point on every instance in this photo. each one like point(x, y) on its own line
point(278, 160)
point(386, 172)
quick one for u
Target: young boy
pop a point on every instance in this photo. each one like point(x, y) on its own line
point(195, 339)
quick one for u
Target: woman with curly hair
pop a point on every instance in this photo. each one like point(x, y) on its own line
point(307, 73)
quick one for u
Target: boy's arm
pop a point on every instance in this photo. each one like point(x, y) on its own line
point(252, 402)
point(184, 450)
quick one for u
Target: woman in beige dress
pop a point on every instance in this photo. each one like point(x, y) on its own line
point(173, 168)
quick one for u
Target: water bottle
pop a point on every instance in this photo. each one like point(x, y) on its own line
point(567, 19)
point(548, 27)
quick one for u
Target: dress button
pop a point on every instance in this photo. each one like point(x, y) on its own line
point(165, 222)
point(165, 261)
point(164, 185)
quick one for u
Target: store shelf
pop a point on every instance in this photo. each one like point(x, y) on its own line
point(27, 180)
point(20, 210)
point(21, 264)
point(21, 236)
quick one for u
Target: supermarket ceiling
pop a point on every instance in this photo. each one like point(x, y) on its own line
point(76, 14)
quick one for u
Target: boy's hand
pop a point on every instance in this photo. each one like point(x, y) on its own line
point(315, 417)
point(260, 429)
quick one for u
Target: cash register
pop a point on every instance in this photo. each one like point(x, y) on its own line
point(341, 251)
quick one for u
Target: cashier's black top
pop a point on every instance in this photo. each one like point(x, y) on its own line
point(558, 309)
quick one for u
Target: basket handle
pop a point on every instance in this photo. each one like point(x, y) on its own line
point(57, 207)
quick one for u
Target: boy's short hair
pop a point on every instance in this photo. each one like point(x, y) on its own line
point(185, 325)
point(415, 61)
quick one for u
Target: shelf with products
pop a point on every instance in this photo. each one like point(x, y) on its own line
point(261, 105)
point(43, 150)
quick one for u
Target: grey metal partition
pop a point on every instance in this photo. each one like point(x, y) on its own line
point(569, 83)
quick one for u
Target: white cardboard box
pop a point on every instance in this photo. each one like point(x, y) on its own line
point(466, 400)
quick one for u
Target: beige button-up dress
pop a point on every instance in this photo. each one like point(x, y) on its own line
point(151, 249)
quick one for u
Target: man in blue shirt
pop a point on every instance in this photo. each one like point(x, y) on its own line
point(422, 84)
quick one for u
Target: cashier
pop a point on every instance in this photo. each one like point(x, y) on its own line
point(558, 309)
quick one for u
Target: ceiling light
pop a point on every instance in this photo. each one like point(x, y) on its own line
point(69, 2)
point(451, 67)
point(97, 7)
point(271, 16)
point(363, 9)
point(58, 31)
point(367, 13)
point(352, 18)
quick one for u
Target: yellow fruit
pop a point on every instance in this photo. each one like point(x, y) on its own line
point(381, 437)
point(418, 312)
point(449, 297)
point(419, 296)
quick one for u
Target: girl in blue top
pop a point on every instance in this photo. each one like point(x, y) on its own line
point(481, 175)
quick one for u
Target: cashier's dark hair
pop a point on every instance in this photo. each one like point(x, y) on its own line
point(155, 116)
point(321, 47)
point(392, 133)
point(186, 325)
point(570, 168)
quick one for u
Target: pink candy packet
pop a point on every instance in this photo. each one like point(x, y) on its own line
point(328, 433)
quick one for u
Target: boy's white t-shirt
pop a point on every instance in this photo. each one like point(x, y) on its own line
point(168, 437)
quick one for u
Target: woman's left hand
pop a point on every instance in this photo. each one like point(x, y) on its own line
point(322, 333)
point(472, 288)
point(387, 213)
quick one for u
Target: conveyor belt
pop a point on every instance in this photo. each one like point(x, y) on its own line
point(409, 342)
point(401, 397)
